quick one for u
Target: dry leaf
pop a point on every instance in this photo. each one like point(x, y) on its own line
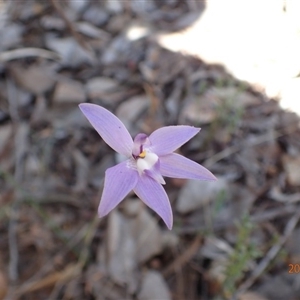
point(196, 194)
point(28, 78)
point(154, 287)
point(69, 91)
point(292, 168)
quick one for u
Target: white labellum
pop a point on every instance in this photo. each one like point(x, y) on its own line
point(147, 162)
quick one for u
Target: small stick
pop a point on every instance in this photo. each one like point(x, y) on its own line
point(259, 140)
point(264, 216)
point(186, 256)
point(27, 52)
point(69, 25)
point(20, 141)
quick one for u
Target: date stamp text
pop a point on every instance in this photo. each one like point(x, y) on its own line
point(294, 268)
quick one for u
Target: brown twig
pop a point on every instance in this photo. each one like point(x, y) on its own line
point(184, 257)
point(264, 216)
point(41, 280)
point(70, 26)
point(69, 272)
point(243, 145)
point(20, 147)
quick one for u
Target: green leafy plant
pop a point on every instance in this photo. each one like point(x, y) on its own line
point(244, 252)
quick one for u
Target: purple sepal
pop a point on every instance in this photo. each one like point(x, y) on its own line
point(178, 166)
point(154, 196)
point(154, 173)
point(119, 181)
point(167, 139)
point(109, 127)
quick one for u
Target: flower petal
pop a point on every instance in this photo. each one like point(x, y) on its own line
point(154, 173)
point(178, 166)
point(154, 196)
point(119, 181)
point(110, 128)
point(167, 139)
point(139, 142)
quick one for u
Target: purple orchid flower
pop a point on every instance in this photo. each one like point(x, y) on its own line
point(149, 158)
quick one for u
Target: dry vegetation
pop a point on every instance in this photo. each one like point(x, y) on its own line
point(237, 238)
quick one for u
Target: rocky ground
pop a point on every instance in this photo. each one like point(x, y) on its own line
point(236, 238)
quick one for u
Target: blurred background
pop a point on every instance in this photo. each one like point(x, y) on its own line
point(229, 67)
